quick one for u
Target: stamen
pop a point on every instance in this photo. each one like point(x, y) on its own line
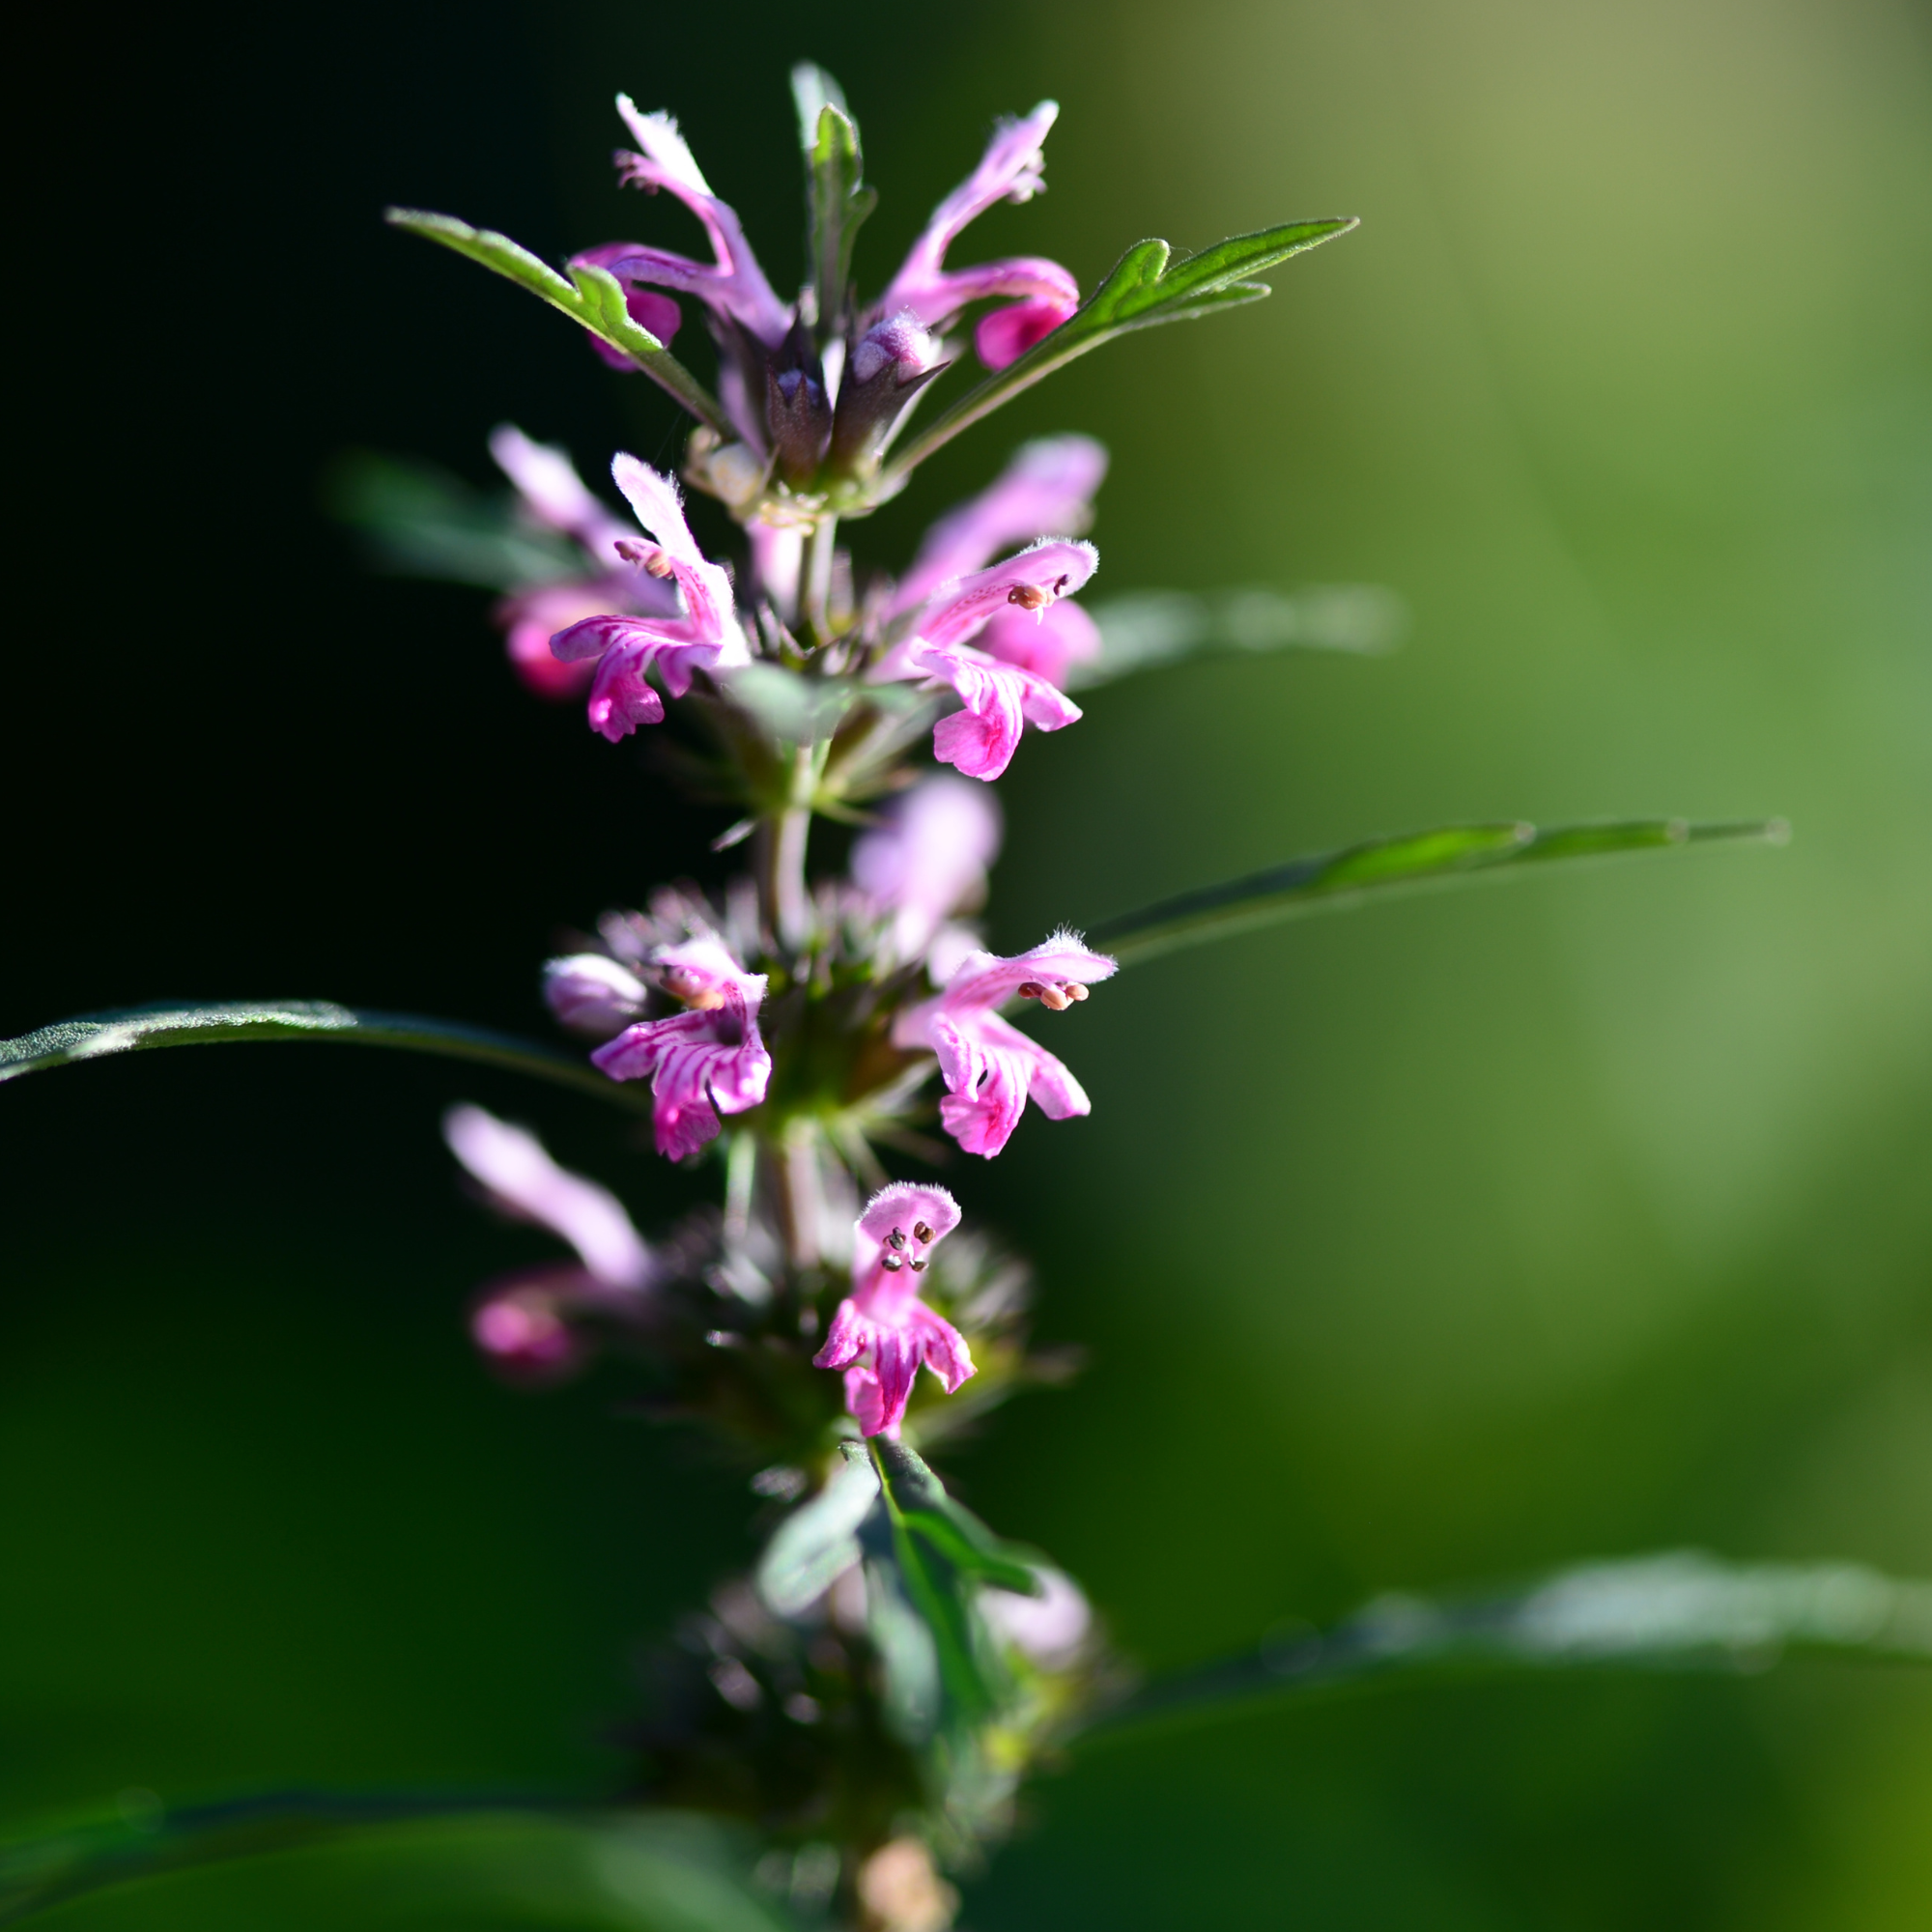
point(1030, 597)
point(1074, 990)
point(897, 1238)
point(1053, 999)
point(919, 1268)
point(892, 1263)
point(1030, 989)
point(658, 565)
point(921, 1233)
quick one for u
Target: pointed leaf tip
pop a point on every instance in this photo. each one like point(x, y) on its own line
point(1442, 856)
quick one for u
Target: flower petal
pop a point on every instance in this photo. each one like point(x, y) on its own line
point(1045, 490)
point(511, 1162)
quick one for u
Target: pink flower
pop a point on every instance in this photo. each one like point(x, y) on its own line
point(705, 1061)
point(1046, 491)
point(989, 1067)
point(1000, 698)
point(1047, 643)
point(553, 494)
point(732, 286)
point(626, 647)
point(523, 1322)
point(591, 993)
point(926, 861)
point(1013, 169)
point(883, 1331)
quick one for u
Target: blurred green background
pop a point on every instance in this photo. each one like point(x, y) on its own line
point(1444, 1241)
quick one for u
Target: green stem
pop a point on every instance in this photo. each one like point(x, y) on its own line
point(818, 553)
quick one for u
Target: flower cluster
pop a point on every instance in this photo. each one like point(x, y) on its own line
point(892, 1665)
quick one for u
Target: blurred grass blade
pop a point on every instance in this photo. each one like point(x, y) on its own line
point(480, 1864)
point(421, 522)
point(1144, 288)
point(590, 297)
point(1410, 862)
point(1146, 629)
point(143, 1029)
point(1680, 1610)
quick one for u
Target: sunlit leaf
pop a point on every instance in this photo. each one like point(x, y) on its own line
point(1146, 629)
point(837, 198)
point(1416, 860)
point(590, 297)
point(1679, 1609)
point(928, 1560)
point(1145, 287)
point(143, 1029)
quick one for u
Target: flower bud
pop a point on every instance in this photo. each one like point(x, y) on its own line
point(893, 362)
point(798, 411)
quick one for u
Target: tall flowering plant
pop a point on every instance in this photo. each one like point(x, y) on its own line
point(870, 1696)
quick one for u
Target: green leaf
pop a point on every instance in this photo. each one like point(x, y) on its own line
point(143, 1029)
point(927, 1561)
point(837, 198)
point(1675, 1609)
point(422, 522)
point(481, 1863)
point(1442, 856)
point(590, 297)
point(816, 1544)
point(1144, 289)
point(1145, 629)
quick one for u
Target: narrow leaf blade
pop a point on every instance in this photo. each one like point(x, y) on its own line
point(1672, 1609)
point(1406, 863)
point(145, 1029)
point(590, 297)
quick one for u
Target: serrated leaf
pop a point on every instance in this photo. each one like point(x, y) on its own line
point(1146, 629)
point(1145, 288)
point(818, 1542)
point(590, 297)
point(837, 198)
point(1675, 1609)
point(144, 1029)
point(1416, 860)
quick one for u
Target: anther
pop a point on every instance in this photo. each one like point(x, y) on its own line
point(892, 1263)
point(897, 1238)
point(1030, 597)
point(658, 565)
point(921, 1233)
point(1030, 989)
point(1075, 990)
point(1053, 999)
point(919, 1268)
